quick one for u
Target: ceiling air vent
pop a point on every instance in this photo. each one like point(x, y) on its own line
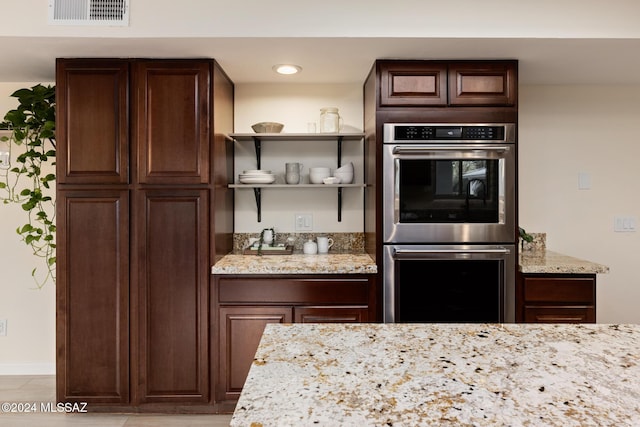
point(89, 12)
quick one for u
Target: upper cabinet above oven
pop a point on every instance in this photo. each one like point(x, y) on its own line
point(418, 83)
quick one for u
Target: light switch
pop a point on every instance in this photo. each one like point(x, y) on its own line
point(584, 181)
point(303, 222)
point(623, 224)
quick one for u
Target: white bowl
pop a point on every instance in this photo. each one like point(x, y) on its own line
point(346, 168)
point(345, 177)
point(320, 170)
point(267, 127)
point(316, 175)
point(331, 180)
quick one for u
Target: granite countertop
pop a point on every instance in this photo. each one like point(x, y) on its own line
point(544, 261)
point(331, 263)
point(444, 375)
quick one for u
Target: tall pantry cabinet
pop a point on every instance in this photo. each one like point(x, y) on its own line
point(143, 212)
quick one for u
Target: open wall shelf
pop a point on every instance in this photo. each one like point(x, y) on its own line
point(259, 138)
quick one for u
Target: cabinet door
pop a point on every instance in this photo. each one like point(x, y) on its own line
point(347, 314)
point(92, 121)
point(482, 83)
point(413, 83)
point(172, 241)
point(241, 328)
point(172, 120)
point(93, 296)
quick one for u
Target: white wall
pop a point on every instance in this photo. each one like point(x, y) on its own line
point(335, 18)
point(565, 130)
point(295, 105)
point(29, 347)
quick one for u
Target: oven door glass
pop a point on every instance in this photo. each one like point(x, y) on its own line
point(448, 291)
point(449, 191)
point(449, 283)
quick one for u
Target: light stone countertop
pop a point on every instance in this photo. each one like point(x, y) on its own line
point(539, 261)
point(443, 375)
point(544, 261)
point(296, 264)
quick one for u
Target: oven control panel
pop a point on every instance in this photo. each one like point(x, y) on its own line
point(445, 132)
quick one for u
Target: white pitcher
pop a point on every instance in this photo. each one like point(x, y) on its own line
point(324, 243)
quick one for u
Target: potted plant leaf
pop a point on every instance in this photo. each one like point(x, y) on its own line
point(26, 175)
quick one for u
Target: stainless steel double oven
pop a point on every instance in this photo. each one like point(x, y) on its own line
point(449, 222)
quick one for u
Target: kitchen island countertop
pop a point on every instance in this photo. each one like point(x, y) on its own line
point(443, 374)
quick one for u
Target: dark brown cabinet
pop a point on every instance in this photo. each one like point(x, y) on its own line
point(240, 331)
point(92, 121)
point(413, 83)
point(139, 158)
point(173, 299)
point(556, 298)
point(453, 83)
point(245, 304)
point(171, 121)
point(93, 315)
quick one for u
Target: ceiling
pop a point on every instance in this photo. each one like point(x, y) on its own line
point(337, 60)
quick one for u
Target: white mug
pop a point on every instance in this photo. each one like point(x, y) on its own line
point(324, 243)
point(267, 236)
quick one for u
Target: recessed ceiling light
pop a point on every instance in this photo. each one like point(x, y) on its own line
point(287, 68)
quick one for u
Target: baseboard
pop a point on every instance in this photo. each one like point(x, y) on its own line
point(27, 368)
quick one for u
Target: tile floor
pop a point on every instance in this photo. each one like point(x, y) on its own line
point(41, 389)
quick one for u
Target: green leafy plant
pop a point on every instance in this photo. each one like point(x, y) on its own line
point(261, 241)
point(30, 136)
point(524, 235)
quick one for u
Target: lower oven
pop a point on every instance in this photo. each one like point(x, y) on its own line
point(449, 283)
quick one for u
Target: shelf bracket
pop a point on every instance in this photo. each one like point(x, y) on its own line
point(257, 192)
point(340, 188)
point(339, 204)
point(258, 146)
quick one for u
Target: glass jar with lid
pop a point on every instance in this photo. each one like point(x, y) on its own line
point(330, 120)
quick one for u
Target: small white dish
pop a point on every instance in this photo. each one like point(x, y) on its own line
point(331, 180)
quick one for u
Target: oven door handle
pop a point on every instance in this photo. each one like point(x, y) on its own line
point(421, 149)
point(413, 253)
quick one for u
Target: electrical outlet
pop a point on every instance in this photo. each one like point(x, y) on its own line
point(3, 327)
point(303, 222)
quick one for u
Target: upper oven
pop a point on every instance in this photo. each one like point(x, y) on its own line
point(449, 183)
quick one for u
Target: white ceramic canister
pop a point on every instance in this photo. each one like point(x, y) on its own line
point(310, 247)
point(324, 244)
point(330, 120)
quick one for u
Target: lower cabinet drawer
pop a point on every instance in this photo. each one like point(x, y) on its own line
point(294, 290)
point(559, 290)
point(550, 314)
